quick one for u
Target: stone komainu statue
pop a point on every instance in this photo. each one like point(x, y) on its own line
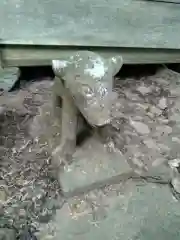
point(89, 79)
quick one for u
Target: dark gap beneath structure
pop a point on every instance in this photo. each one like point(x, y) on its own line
point(137, 71)
point(38, 73)
point(174, 66)
point(164, 1)
point(28, 74)
point(31, 74)
point(143, 70)
point(83, 136)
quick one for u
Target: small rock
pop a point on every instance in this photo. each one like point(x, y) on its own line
point(144, 90)
point(175, 139)
point(140, 127)
point(174, 163)
point(163, 147)
point(163, 130)
point(150, 144)
point(162, 103)
point(156, 111)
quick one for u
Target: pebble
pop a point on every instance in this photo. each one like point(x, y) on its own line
point(140, 127)
point(174, 163)
point(150, 144)
point(162, 103)
point(156, 111)
point(144, 90)
point(163, 130)
point(175, 139)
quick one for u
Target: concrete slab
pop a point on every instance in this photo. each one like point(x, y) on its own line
point(133, 211)
point(93, 165)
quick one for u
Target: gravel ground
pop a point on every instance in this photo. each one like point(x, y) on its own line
point(145, 128)
point(146, 118)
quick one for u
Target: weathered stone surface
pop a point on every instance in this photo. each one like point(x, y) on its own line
point(130, 211)
point(7, 234)
point(161, 173)
point(8, 77)
point(3, 196)
point(93, 165)
point(175, 179)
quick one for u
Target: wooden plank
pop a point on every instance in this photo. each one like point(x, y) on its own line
point(165, 1)
point(115, 23)
point(34, 56)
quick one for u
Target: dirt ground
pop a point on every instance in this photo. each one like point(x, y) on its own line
point(29, 194)
point(29, 191)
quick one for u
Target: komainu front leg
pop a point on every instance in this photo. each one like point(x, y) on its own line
point(69, 115)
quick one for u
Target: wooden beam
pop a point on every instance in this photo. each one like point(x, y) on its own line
point(42, 55)
point(107, 23)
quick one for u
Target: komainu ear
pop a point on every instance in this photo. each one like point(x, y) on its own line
point(59, 66)
point(116, 63)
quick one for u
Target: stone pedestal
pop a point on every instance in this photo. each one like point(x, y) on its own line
point(124, 211)
point(93, 165)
